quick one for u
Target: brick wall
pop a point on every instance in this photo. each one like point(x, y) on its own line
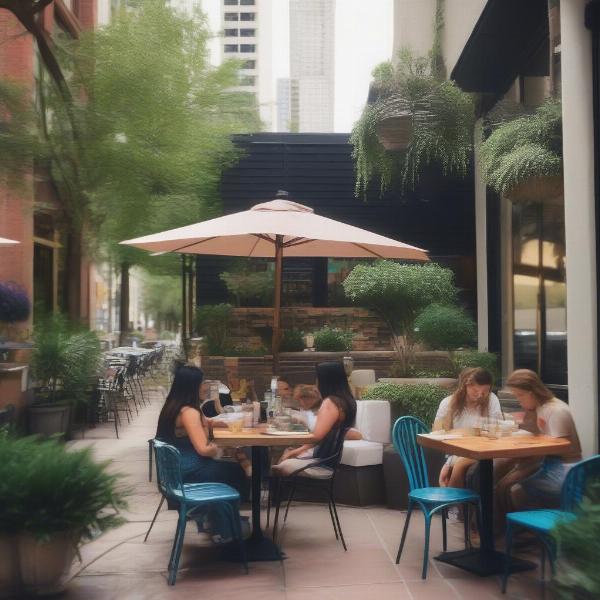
point(16, 205)
point(370, 332)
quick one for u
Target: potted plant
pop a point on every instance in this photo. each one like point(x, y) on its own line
point(415, 119)
point(64, 360)
point(14, 307)
point(332, 339)
point(521, 159)
point(52, 499)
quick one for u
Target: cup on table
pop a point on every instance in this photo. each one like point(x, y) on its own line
point(235, 425)
point(283, 422)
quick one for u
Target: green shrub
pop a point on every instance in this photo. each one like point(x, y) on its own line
point(445, 327)
point(419, 400)
point(47, 488)
point(332, 339)
point(397, 370)
point(578, 576)
point(292, 341)
point(472, 358)
point(213, 322)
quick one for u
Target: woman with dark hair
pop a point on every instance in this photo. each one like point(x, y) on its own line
point(472, 400)
point(182, 424)
point(335, 417)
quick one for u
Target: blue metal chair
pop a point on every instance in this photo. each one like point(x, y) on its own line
point(541, 522)
point(191, 498)
point(429, 499)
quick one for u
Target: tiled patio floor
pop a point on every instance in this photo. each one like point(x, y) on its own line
point(120, 566)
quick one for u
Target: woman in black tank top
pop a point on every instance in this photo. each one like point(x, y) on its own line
point(336, 415)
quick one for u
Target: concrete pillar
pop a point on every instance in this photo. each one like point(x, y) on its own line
point(578, 150)
point(481, 247)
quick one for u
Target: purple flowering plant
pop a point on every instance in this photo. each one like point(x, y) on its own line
point(14, 302)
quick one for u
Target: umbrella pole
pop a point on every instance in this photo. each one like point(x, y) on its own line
point(184, 311)
point(277, 304)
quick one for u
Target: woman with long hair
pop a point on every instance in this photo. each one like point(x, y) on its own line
point(335, 417)
point(531, 484)
point(472, 401)
point(182, 424)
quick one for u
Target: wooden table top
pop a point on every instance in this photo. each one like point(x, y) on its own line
point(258, 437)
point(482, 448)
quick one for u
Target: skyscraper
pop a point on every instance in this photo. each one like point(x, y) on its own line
point(312, 33)
point(247, 36)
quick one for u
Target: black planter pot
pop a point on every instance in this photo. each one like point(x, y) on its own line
point(48, 419)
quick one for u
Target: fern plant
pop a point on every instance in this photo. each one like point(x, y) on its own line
point(523, 147)
point(442, 119)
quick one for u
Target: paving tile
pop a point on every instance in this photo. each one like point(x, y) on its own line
point(379, 591)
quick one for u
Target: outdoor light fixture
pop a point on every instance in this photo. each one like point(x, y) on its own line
point(309, 342)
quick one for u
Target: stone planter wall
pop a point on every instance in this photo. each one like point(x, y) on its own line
point(370, 332)
point(299, 367)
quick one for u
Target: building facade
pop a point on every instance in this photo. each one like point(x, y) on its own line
point(312, 64)
point(536, 261)
point(247, 36)
point(32, 213)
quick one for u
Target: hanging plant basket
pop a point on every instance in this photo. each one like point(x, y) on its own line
point(395, 133)
point(543, 189)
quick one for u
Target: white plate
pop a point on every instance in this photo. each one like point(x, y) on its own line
point(522, 433)
point(443, 436)
point(277, 432)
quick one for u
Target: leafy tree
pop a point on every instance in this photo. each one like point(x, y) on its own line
point(398, 292)
point(162, 300)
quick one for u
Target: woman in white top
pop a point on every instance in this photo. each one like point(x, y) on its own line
point(472, 401)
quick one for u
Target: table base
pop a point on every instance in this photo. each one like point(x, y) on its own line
point(484, 563)
point(258, 549)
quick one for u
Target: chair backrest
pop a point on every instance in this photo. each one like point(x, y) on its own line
point(331, 447)
point(576, 482)
point(168, 470)
point(404, 436)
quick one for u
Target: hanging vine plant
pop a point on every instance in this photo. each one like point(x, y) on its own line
point(440, 123)
point(522, 157)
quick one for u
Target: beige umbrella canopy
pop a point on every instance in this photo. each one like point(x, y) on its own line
point(277, 229)
point(7, 242)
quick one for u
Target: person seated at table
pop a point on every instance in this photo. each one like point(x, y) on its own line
point(309, 400)
point(472, 401)
point(182, 424)
point(284, 390)
point(530, 484)
point(337, 412)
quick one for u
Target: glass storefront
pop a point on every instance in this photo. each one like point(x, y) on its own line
point(539, 290)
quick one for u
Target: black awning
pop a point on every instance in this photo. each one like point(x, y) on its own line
point(509, 39)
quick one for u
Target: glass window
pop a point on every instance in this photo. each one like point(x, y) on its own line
point(247, 2)
point(231, 2)
point(249, 64)
point(247, 32)
point(231, 48)
point(539, 290)
point(247, 80)
point(231, 33)
point(231, 16)
point(247, 17)
point(248, 48)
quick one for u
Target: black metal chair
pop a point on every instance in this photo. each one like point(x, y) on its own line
point(316, 475)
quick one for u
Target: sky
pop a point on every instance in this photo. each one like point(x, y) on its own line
point(363, 39)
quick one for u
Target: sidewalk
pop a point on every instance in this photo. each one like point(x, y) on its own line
point(118, 565)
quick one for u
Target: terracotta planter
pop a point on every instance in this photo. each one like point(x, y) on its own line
point(445, 382)
point(10, 577)
point(395, 133)
point(548, 190)
point(45, 565)
point(49, 419)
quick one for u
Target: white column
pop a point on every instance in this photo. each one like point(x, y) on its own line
point(578, 150)
point(481, 247)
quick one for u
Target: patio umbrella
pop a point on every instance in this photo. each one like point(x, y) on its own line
point(273, 230)
point(7, 242)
